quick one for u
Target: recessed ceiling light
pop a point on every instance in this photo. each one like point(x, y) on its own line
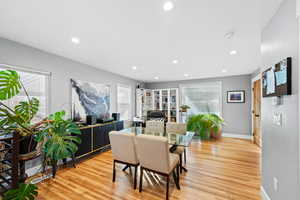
point(186, 75)
point(168, 5)
point(75, 40)
point(233, 52)
point(224, 70)
point(229, 34)
point(156, 77)
point(134, 67)
point(175, 61)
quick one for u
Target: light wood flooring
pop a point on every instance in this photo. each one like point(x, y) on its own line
point(218, 170)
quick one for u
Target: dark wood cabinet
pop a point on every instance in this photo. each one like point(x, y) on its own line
point(86, 142)
point(96, 137)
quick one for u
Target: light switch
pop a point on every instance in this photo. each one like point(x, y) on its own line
point(277, 118)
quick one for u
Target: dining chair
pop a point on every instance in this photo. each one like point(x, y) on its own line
point(124, 152)
point(154, 156)
point(178, 128)
point(155, 126)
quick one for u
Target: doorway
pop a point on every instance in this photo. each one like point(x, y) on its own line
point(256, 112)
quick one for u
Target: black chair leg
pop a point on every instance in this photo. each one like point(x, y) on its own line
point(135, 177)
point(114, 171)
point(141, 180)
point(167, 192)
point(184, 155)
point(175, 179)
point(178, 175)
point(180, 162)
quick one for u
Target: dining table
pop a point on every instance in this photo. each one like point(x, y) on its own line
point(174, 139)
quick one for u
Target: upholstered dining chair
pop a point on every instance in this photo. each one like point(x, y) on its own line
point(154, 156)
point(178, 128)
point(155, 126)
point(124, 152)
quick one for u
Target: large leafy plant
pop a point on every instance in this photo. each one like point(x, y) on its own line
point(23, 192)
point(205, 124)
point(59, 136)
point(54, 132)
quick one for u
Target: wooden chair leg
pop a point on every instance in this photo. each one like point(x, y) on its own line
point(135, 177)
point(167, 192)
point(114, 171)
point(184, 155)
point(141, 180)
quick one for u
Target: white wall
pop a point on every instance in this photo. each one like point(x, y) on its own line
point(62, 70)
point(280, 144)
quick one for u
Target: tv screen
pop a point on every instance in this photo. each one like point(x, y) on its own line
point(277, 80)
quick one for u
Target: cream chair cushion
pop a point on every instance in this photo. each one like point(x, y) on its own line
point(153, 126)
point(153, 153)
point(123, 147)
point(173, 127)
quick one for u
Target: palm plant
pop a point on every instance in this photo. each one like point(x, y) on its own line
point(205, 124)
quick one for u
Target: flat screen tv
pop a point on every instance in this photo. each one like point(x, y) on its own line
point(277, 80)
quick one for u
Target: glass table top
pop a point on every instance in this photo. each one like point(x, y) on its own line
point(183, 139)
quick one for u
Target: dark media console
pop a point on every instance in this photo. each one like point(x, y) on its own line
point(95, 138)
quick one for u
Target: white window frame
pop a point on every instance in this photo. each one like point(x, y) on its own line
point(200, 84)
point(130, 100)
point(30, 70)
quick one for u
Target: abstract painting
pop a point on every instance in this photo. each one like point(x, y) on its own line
point(90, 99)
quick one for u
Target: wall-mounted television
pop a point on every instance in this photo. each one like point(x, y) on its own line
point(277, 80)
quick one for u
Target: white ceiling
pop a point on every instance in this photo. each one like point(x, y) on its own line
point(118, 34)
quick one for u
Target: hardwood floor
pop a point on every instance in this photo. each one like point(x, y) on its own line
point(226, 169)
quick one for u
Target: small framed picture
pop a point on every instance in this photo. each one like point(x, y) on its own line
point(237, 96)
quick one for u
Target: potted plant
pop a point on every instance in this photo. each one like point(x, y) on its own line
point(54, 132)
point(184, 108)
point(206, 125)
point(59, 140)
point(23, 192)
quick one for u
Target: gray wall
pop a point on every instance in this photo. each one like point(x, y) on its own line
point(62, 70)
point(280, 144)
point(236, 115)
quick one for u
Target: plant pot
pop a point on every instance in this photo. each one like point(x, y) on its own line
point(216, 135)
point(27, 144)
point(183, 110)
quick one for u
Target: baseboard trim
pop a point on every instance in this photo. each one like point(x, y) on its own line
point(264, 194)
point(239, 136)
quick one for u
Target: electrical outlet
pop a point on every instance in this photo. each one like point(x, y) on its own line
point(275, 184)
point(277, 118)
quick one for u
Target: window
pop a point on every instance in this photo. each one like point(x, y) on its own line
point(203, 97)
point(124, 102)
point(36, 85)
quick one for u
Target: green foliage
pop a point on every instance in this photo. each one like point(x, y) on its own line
point(59, 138)
point(205, 124)
point(185, 107)
point(28, 109)
point(23, 192)
point(10, 84)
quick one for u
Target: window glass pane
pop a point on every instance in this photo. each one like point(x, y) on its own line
point(124, 102)
point(35, 85)
point(203, 98)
